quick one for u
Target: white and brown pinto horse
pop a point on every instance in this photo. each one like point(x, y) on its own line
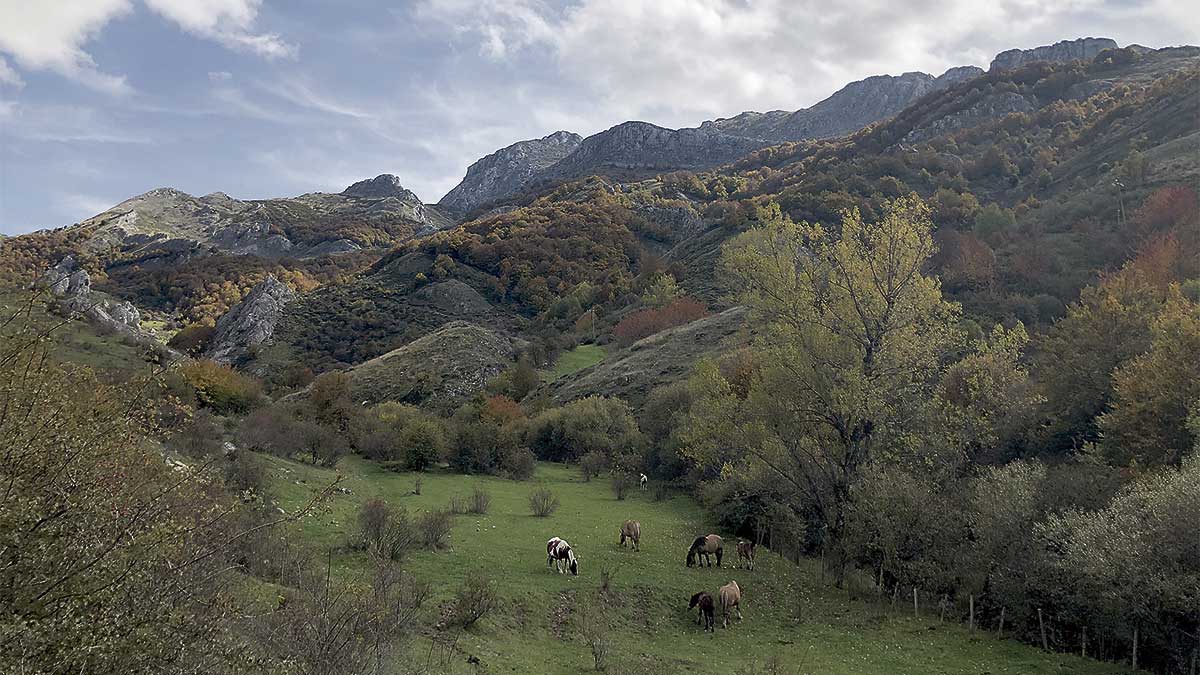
point(632, 531)
point(730, 597)
point(561, 557)
point(706, 546)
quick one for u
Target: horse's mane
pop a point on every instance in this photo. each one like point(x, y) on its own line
point(698, 543)
point(695, 599)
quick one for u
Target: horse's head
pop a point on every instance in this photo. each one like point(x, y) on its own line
point(574, 566)
point(691, 557)
point(695, 599)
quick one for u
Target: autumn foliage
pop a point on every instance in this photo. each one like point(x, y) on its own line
point(647, 322)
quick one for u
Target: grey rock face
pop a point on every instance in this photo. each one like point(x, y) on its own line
point(507, 170)
point(1059, 52)
point(380, 187)
point(251, 322)
point(171, 225)
point(644, 146)
point(849, 109)
point(72, 285)
point(991, 107)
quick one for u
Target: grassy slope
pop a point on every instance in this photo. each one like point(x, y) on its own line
point(573, 361)
point(652, 630)
point(77, 341)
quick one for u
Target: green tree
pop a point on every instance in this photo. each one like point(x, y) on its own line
point(662, 291)
point(852, 338)
point(591, 425)
point(1153, 392)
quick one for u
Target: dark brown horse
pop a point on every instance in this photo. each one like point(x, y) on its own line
point(745, 554)
point(705, 546)
point(704, 601)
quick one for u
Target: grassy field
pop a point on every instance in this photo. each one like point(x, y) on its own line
point(651, 630)
point(575, 360)
point(77, 341)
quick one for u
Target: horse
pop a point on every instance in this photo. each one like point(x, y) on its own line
point(745, 552)
point(705, 546)
point(560, 555)
point(632, 530)
point(731, 598)
point(704, 601)
point(644, 481)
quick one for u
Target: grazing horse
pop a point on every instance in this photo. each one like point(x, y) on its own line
point(644, 480)
point(704, 601)
point(745, 552)
point(559, 554)
point(731, 598)
point(632, 530)
point(705, 546)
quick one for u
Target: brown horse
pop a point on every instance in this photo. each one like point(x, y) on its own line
point(705, 602)
point(731, 598)
point(704, 546)
point(632, 530)
point(745, 552)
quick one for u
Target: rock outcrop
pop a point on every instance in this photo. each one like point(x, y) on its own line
point(249, 323)
point(172, 226)
point(506, 171)
point(383, 186)
point(637, 147)
point(849, 109)
point(1060, 52)
point(71, 285)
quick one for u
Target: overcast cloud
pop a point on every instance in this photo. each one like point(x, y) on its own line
point(104, 99)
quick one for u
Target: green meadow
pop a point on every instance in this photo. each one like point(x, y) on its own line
point(794, 621)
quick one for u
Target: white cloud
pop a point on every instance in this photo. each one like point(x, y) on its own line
point(76, 207)
point(9, 76)
point(50, 36)
point(680, 61)
point(219, 76)
point(228, 22)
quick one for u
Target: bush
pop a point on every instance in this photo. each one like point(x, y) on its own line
point(647, 322)
point(542, 502)
point(433, 530)
point(475, 599)
point(245, 472)
point(373, 518)
point(480, 502)
point(457, 505)
point(221, 388)
point(518, 464)
point(193, 339)
point(593, 424)
point(424, 442)
point(620, 486)
point(200, 438)
point(592, 464)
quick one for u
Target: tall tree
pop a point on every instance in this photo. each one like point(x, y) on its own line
point(1152, 393)
point(852, 342)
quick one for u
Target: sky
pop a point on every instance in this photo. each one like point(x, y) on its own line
point(101, 100)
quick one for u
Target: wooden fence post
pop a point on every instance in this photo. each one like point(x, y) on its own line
point(914, 602)
point(1135, 646)
point(1042, 629)
point(1000, 631)
point(895, 595)
point(972, 600)
point(1083, 652)
point(942, 607)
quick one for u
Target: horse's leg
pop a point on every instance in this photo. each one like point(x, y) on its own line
point(739, 611)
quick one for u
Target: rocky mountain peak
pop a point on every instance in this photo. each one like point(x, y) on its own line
point(380, 187)
point(507, 170)
point(1059, 52)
